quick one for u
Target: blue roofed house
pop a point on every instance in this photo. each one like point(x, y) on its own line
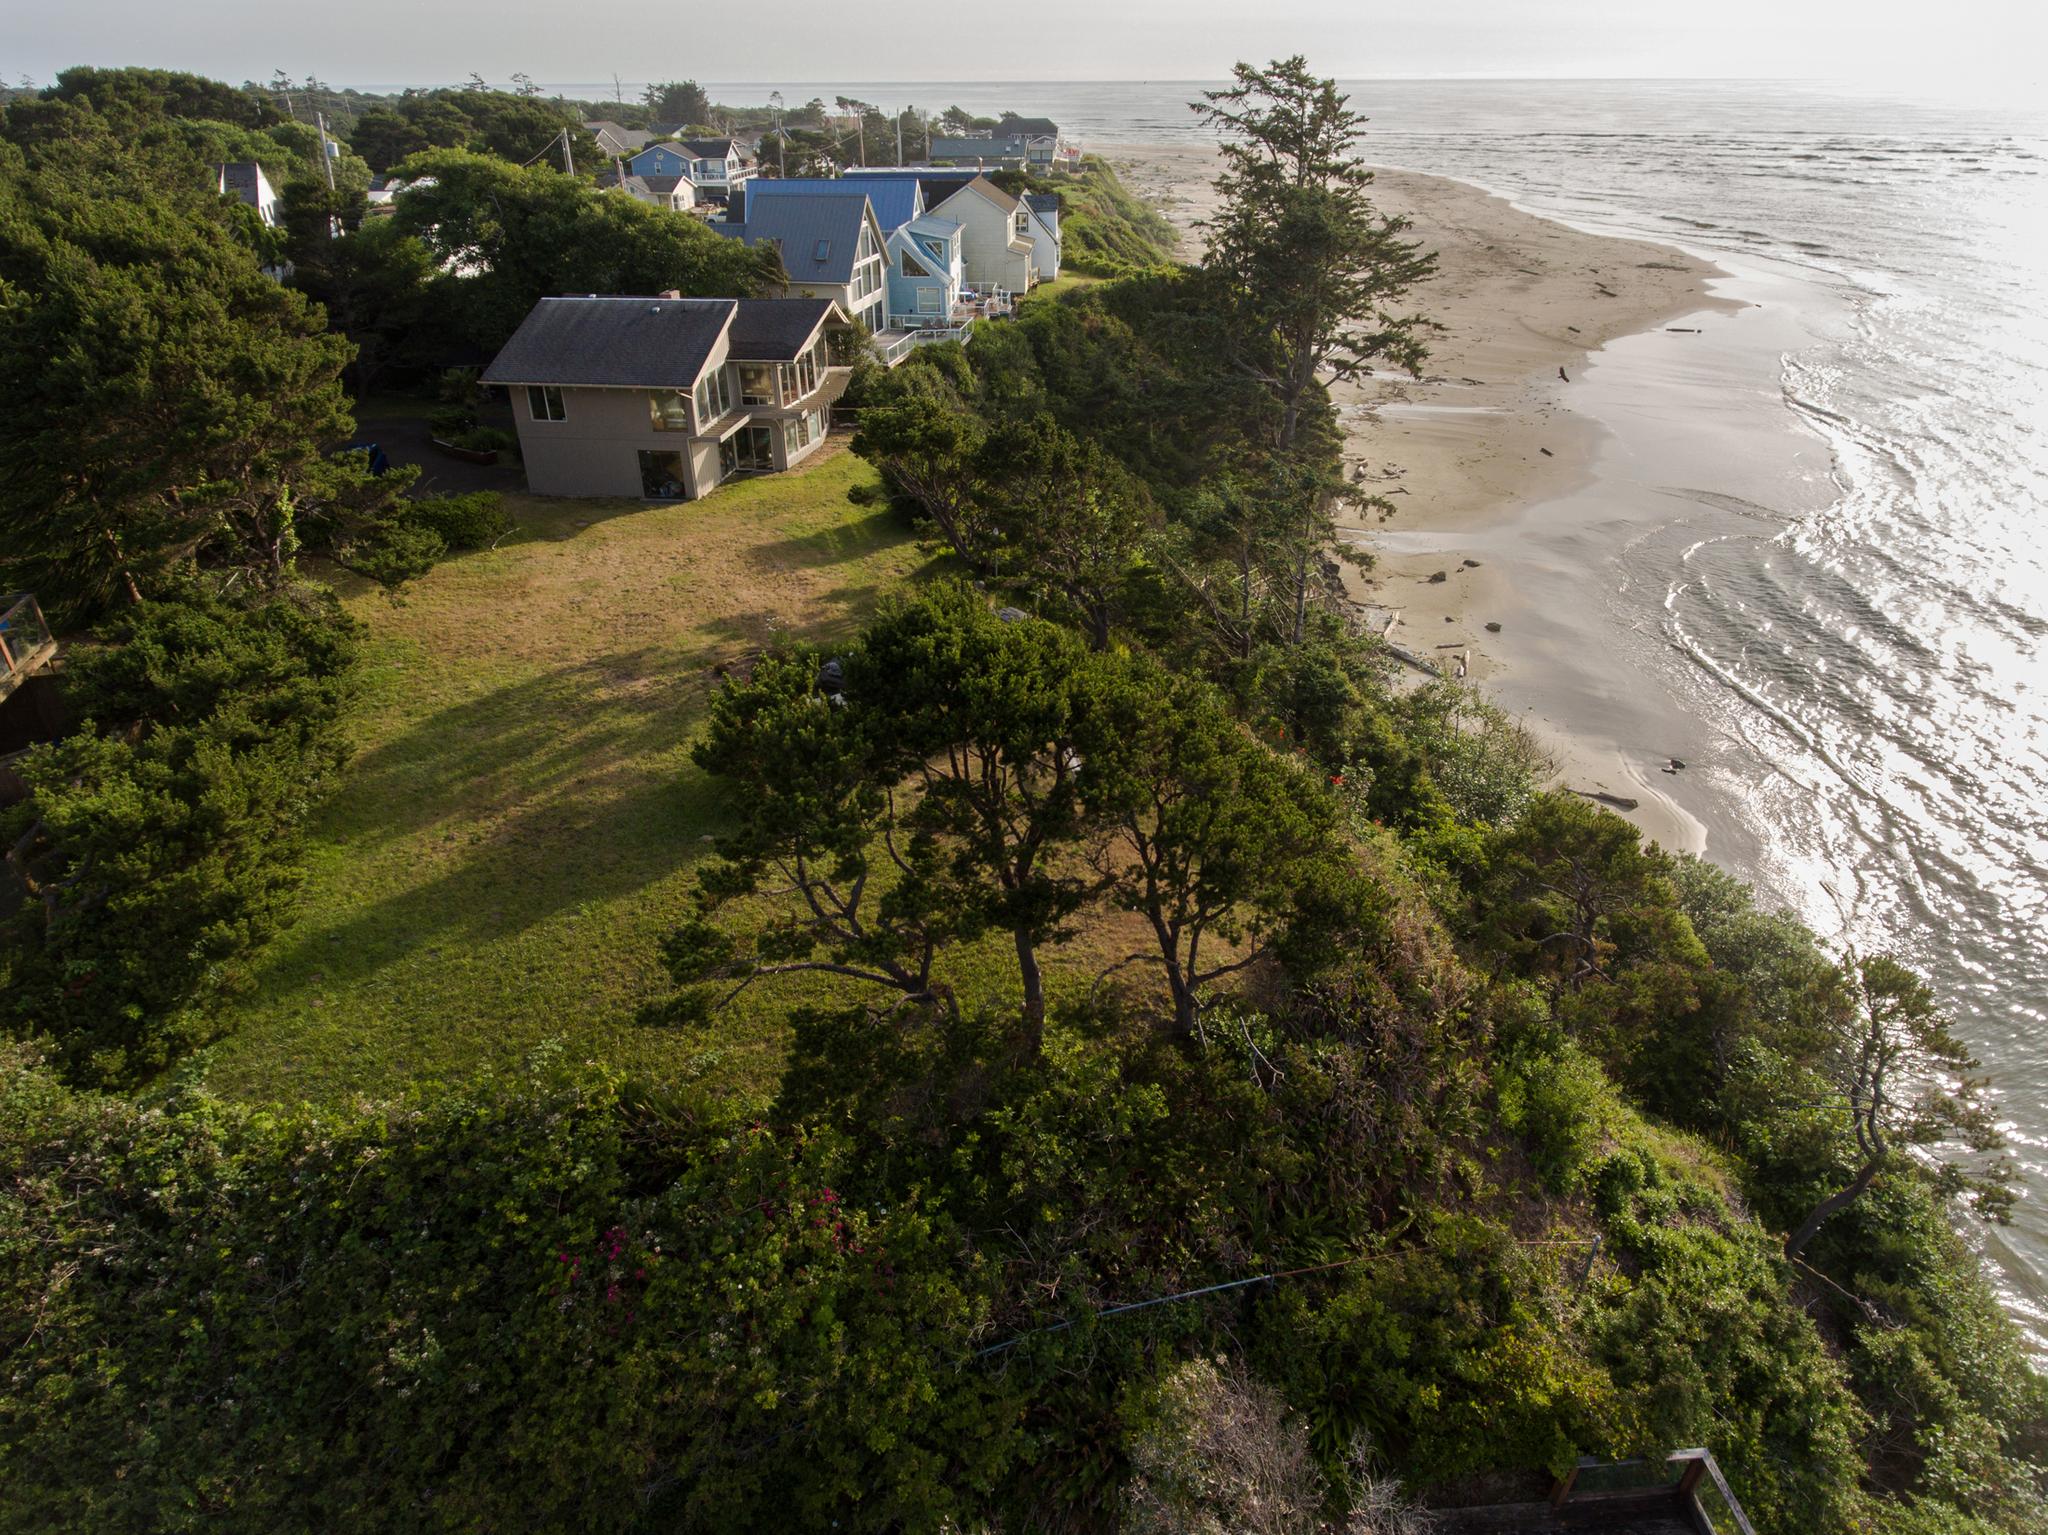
point(896, 199)
point(666, 398)
point(831, 247)
point(1032, 143)
point(716, 166)
point(1039, 225)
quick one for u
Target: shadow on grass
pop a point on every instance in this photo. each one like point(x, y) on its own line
point(832, 545)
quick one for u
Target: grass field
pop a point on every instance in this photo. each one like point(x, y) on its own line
point(517, 828)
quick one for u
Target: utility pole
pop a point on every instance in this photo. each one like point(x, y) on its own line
point(618, 90)
point(326, 159)
point(568, 159)
point(781, 138)
point(899, 138)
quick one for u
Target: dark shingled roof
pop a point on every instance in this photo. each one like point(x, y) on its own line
point(709, 149)
point(776, 329)
point(818, 234)
point(1042, 202)
point(656, 343)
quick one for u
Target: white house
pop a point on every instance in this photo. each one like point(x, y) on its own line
point(995, 230)
point(244, 179)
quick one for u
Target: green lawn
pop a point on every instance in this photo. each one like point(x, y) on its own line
point(517, 828)
point(1059, 285)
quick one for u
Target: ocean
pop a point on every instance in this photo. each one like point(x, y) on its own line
point(1862, 647)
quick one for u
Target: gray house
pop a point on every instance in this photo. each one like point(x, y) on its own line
point(666, 398)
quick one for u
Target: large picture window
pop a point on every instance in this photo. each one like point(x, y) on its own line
point(757, 384)
point(714, 397)
point(544, 402)
point(669, 410)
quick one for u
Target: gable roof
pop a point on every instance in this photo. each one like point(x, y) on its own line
point(818, 234)
point(983, 187)
point(895, 199)
point(653, 343)
point(710, 149)
point(637, 186)
point(1043, 202)
point(244, 179)
point(664, 186)
point(612, 134)
point(778, 329)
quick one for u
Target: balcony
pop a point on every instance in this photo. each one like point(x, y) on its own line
point(26, 644)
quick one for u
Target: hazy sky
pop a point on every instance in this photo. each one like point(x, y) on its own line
point(1939, 44)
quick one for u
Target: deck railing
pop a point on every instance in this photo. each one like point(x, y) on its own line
point(26, 643)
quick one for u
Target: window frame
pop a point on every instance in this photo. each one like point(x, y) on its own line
point(546, 404)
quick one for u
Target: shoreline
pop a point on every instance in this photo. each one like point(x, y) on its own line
point(1473, 454)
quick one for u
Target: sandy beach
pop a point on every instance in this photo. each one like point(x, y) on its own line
point(1525, 304)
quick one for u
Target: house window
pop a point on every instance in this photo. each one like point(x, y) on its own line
point(928, 298)
point(544, 402)
point(757, 384)
point(669, 409)
point(714, 397)
point(1023, 222)
point(661, 477)
point(751, 451)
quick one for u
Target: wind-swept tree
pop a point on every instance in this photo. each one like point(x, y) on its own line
point(1211, 835)
point(1311, 271)
point(1074, 522)
point(1906, 1082)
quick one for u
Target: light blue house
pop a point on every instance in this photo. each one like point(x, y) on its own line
point(714, 166)
point(927, 265)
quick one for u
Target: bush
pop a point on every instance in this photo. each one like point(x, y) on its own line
point(158, 842)
point(393, 551)
point(472, 521)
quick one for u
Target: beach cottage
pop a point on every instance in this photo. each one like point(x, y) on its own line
point(666, 398)
point(996, 235)
point(716, 166)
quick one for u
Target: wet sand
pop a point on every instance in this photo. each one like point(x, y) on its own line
point(1488, 440)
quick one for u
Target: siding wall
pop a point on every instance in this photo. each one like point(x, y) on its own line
point(985, 241)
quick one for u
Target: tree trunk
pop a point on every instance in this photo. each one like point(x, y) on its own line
point(1034, 989)
point(1865, 1175)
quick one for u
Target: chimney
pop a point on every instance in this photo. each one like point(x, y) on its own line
point(670, 293)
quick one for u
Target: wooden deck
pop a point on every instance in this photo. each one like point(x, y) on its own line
point(1684, 1494)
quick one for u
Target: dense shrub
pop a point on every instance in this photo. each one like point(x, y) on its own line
point(471, 521)
point(157, 845)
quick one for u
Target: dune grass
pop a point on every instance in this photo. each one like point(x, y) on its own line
point(518, 826)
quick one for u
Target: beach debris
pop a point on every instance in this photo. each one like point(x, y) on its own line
point(1493, 628)
point(1448, 619)
point(1564, 375)
point(1471, 564)
point(1546, 453)
point(1606, 290)
point(1573, 329)
point(1393, 618)
point(1677, 766)
point(1464, 662)
point(1438, 577)
point(1602, 797)
point(1683, 330)
point(1415, 661)
point(1450, 644)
